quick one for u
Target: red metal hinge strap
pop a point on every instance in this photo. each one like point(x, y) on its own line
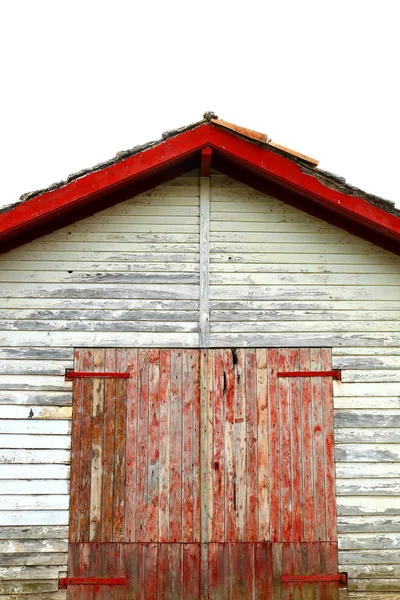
point(341, 577)
point(336, 374)
point(70, 374)
point(64, 581)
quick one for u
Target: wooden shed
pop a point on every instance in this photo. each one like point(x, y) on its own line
point(200, 379)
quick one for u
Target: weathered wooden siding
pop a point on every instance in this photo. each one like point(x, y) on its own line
point(279, 277)
point(127, 276)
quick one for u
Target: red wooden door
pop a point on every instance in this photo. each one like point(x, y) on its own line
point(202, 475)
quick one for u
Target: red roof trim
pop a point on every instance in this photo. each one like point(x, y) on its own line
point(255, 158)
point(291, 175)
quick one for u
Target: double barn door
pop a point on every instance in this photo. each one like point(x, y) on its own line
point(202, 474)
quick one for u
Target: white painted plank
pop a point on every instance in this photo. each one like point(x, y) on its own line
point(349, 435)
point(26, 367)
point(288, 326)
point(103, 257)
point(368, 541)
point(29, 486)
point(368, 487)
point(34, 532)
point(309, 314)
point(365, 259)
point(34, 382)
point(296, 292)
point(29, 397)
point(375, 376)
point(24, 546)
point(299, 278)
point(368, 524)
point(103, 277)
point(367, 470)
point(9, 411)
point(59, 595)
point(372, 505)
point(34, 471)
point(33, 517)
point(88, 325)
point(367, 418)
point(380, 361)
point(371, 571)
point(367, 402)
point(34, 456)
point(39, 558)
point(367, 452)
point(110, 304)
point(316, 340)
point(13, 573)
point(41, 428)
point(26, 266)
point(35, 441)
point(366, 389)
point(96, 290)
point(310, 304)
point(43, 502)
point(102, 339)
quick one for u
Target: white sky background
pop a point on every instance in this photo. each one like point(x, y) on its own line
point(81, 80)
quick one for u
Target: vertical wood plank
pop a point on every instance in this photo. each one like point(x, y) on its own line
point(287, 569)
point(251, 436)
point(329, 446)
point(187, 446)
point(131, 446)
point(143, 455)
point(296, 449)
point(209, 374)
point(241, 571)
point(195, 367)
point(165, 440)
point(163, 571)
point(205, 457)
point(150, 567)
point(191, 571)
point(86, 449)
point(274, 446)
point(204, 309)
point(240, 447)
point(260, 571)
point(230, 464)
point(77, 402)
point(153, 501)
point(276, 551)
point(307, 449)
point(218, 571)
point(120, 449)
point(285, 448)
point(262, 444)
point(107, 495)
point(175, 490)
point(99, 358)
point(319, 460)
point(218, 459)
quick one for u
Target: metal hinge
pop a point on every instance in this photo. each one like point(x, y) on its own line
point(70, 374)
point(336, 374)
point(65, 581)
point(340, 577)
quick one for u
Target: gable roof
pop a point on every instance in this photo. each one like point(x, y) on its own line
point(243, 154)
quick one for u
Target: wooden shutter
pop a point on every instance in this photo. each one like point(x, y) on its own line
point(203, 474)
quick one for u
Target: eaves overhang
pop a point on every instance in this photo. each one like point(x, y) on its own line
point(259, 165)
